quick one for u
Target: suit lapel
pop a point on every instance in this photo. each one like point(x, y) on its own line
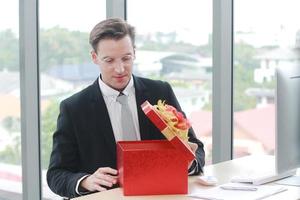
point(141, 95)
point(101, 117)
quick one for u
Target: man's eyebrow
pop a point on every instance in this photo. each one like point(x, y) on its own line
point(105, 57)
point(128, 54)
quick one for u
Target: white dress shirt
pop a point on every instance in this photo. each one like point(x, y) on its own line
point(114, 108)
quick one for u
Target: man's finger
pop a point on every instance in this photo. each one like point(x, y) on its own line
point(109, 178)
point(103, 182)
point(99, 188)
point(107, 170)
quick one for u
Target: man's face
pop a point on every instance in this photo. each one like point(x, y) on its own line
point(115, 59)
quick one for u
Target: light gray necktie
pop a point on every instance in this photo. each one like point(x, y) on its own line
point(126, 118)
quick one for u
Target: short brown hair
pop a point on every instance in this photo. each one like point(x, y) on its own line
point(112, 28)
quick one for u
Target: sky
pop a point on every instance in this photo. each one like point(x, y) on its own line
point(72, 14)
point(192, 19)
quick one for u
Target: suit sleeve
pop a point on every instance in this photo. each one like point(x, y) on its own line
point(62, 174)
point(200, 154)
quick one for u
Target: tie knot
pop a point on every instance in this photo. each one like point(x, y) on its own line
point(122, 99)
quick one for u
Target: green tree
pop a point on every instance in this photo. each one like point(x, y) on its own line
point(206, 50)
point(244, 54)
point(59, 46)
point(244, 66)
point(165, 42)
point(48, 125)
point(243, 79)
point(11, 124)
point(12, 152)
point(9, 50)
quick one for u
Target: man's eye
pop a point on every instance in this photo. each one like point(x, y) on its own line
point(127, 58)
point(108, 60)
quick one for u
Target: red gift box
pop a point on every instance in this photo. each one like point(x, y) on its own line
point(153, 167)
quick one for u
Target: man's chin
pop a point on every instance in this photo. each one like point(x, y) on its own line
point(120, 87)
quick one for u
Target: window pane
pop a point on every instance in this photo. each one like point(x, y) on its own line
point(263, 41)
point(65, 64)
point(10, 117)
point(175, 45)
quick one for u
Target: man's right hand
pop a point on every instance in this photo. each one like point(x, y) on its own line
point(104, 176)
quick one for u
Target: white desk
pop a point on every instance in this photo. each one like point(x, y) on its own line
point(223, 171)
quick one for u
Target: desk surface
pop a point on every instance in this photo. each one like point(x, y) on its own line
point(223, 171)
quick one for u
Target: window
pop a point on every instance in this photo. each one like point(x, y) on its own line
point(10, 114)
point(175, 45)
point(262, 42)
point(65, 64)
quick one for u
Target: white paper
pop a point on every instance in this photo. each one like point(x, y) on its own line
point(217, 193)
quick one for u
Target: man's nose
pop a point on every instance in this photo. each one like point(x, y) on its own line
point(119, 68)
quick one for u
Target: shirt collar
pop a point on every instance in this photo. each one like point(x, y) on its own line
point(110, 92)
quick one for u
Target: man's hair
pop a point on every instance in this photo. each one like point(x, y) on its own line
point(113, 28)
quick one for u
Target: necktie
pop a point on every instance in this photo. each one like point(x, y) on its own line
point(126, 118)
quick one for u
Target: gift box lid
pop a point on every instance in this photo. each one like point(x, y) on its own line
point(154, 116)
point(167, 131)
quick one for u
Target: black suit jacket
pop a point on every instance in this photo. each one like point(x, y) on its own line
point(84, 139)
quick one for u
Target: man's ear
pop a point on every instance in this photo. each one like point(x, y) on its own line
point(94, 57)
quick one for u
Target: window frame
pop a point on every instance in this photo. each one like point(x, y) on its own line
point(29, 89)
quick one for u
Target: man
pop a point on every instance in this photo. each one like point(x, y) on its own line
point(83, 158)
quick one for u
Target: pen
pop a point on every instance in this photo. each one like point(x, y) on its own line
point(243, 188)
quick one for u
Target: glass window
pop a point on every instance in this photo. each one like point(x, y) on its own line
point(174, 44)
point(65, 64)
point(10, 114)
point(265, 37)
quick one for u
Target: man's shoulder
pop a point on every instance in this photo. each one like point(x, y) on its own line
point(150, 82)
point(82, 95)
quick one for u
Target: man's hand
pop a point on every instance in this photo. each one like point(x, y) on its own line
point(104, 176)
